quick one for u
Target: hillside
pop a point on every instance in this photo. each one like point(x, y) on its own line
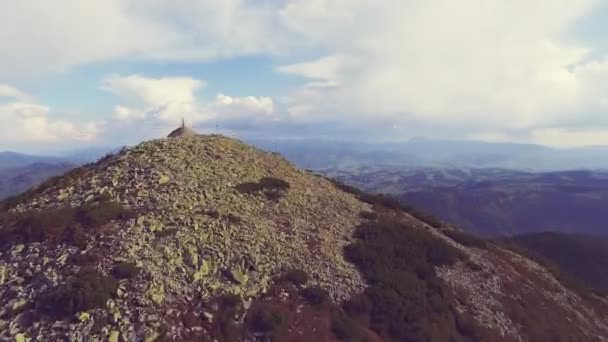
point(205, 238)
point(495, 202)
point(14, 180)
point(582, 257)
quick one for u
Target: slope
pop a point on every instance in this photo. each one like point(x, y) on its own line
point(192, 239)
point(581, 257)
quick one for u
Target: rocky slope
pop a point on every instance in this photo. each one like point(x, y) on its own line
point(147, 245)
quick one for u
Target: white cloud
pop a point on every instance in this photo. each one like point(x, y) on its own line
point(31, 123)
point(169, 99)
point(68, 33)
point(470, 65)
point(10, 92)
point(465, 67)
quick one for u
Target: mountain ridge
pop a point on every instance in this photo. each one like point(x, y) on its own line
point(199, 231)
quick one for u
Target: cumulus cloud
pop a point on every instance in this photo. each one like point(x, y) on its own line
point(168, 99)
point(68, 33)
point(10, 92)
point(31, 123)
point(467, 67)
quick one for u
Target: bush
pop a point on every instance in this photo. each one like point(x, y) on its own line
point(297, 277)
point(96, 214)
point(390, 203)
point(267, 320)
point(345, 328)
point(165, 232)
point(314, 295)
point(405, 294)
point(272, 188)
point(87, 290)
point(368, 215)
point(465, 239)
point(358, 305)
point(125, 270)
point(53, 182)
point(61, 225)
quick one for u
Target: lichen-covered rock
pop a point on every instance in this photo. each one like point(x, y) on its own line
point(194, 235)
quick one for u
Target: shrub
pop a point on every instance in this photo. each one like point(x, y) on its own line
point(96, 214)
point(165, 232)
point(368, 215)
point(267, 320)
point(87, 290)
point(465, 239)
point(390, 203)
point(297, 277)
point(125, 270)
point(61, 225)
point(272, 188)
point(405, 294)
point(345, 328)
point(358, 305)
point(315, 295)
point(224, 326)
point(57, 181)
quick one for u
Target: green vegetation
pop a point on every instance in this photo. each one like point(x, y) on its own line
point(346, 328)
point(315, 295)
point(54, 182)
point(225, 327)
point(368, 215)
point(405, 300)
point(125, 270)
point(465, 239)
point(272, 188)
point(266, 320)
point(165, 232)
point(297, 277)
point(390, 203)
point(573, 259)
point(87, 290)
point(60, 225)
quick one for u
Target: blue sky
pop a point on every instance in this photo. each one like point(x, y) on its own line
point(118, 71)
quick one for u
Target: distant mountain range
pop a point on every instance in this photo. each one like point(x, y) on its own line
point(580, 257)
point(14, 180)
point(493, 201)
point(420, 152)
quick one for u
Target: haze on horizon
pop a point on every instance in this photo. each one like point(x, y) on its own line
point(79, 74)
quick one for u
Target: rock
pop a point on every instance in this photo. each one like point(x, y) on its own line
point(114, 336)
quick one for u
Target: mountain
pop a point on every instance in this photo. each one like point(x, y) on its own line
point(14, 180)
point(578, 256)
point(495, 201)
point(206, 238)
point(419, 152)
point(13, 159)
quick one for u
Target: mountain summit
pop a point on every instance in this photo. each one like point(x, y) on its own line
point(203, 237)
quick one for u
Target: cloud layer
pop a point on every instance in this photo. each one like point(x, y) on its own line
point(28, 122)
point(504, 70)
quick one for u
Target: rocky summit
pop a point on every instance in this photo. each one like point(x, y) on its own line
point(202, 238)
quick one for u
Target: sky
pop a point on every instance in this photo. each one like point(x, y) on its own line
point(76, 74)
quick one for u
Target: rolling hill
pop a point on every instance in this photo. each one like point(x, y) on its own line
point(495, 202)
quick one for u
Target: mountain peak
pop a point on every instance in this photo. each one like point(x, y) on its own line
point(210, 215)
point(168, 238)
